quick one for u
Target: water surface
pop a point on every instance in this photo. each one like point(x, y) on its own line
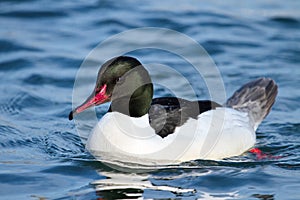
point(42, 45)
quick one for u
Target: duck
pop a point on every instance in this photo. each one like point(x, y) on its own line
point(140, 129)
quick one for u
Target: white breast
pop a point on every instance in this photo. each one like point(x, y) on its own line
point(216, 134)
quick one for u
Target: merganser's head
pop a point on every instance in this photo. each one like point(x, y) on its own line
point(124, 81)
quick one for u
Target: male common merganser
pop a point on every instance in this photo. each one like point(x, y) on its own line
point(170, 130)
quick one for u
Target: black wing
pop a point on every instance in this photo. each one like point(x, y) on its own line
point(167, 113)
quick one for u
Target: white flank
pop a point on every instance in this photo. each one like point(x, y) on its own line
point(216, 134)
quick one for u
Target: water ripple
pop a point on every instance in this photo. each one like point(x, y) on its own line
point(286, 21)
point(15, 64)
point(13, 106)
point(63, 145)
point(33, 14)
point(9, 46)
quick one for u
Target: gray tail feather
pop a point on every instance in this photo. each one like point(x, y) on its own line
point(256, 98)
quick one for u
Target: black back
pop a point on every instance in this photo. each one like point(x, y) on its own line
point(166, 113)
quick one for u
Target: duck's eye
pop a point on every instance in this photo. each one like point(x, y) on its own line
point(120, 80)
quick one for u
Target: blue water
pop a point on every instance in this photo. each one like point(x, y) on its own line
point(42, 45)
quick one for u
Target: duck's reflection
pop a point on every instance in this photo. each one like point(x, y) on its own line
point(119, 185)
point(131, 185)
point(264, 196)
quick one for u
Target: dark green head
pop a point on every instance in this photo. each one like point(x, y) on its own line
point(126, 83)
